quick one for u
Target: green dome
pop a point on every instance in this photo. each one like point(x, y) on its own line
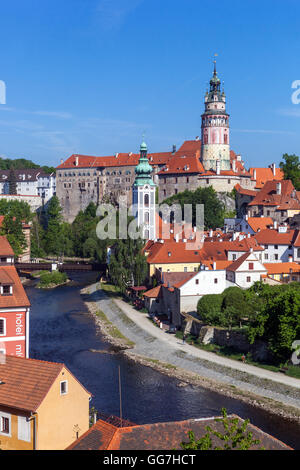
point(143, 170)
point(143, 146)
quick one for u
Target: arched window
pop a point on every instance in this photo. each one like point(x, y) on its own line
point(146, 218)
point(146, 200)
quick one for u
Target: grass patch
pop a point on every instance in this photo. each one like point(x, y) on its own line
point(163, 364)
point(112, 330)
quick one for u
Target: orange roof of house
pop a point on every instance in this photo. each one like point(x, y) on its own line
point(9, 275)
point(265, 174)
point(267, 196)
point(161, 436)
point(120, 159)
point(273, 237)
point(246, 192)
point(172, 252)
point(220, 264)
point(153, 293)
point(24, 383)
point(5, 248)
point(282, 268)
point(259, 223)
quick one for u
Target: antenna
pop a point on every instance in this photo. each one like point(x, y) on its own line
point(120, 395)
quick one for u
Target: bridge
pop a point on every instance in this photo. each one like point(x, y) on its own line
point(29, 267)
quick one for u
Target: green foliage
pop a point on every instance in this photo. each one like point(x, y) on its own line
point(22, 164)
point(128, 266)
point(233, 437)
point(54, 278)
point(214, 210)
point(209, 308)
point(278, 318)
point(291, 169)
point(15, 213)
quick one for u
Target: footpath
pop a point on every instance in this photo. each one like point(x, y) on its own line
point(157, 345)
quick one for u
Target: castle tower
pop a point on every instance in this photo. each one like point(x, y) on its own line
point(215, 128)
point(143, 195)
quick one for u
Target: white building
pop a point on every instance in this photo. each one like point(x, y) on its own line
point(30, 182)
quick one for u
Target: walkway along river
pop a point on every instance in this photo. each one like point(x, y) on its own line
point(62, 330)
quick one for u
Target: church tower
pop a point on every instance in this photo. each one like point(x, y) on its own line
point(215, 150)
point(143, 195)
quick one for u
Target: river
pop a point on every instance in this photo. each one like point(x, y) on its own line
point(62, 330)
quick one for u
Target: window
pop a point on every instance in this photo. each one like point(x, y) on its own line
point(187, 179)
point(298, 253)
point(234, 257)
point(6, 290)
point(5, 420)
point(216, 280)
point(251, 266)
point(276, 247)
point(63, 387)
point(276, 257)
point(197, 281)
point(185, 269)
point(248, 279)
point(266, 256)
point(24, 433)
point(2, 327)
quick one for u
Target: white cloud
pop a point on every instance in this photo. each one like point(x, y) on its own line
point(112, 13)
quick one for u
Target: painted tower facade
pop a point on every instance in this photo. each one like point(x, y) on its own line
point(143, 196)
point(215, 149)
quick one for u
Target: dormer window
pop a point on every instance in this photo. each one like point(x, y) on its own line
point(6, 289)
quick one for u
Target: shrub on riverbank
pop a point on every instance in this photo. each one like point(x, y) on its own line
point(55, 278)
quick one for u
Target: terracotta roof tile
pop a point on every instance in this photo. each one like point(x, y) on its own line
point(18, 297)
point(5, 248)
point(26, 382)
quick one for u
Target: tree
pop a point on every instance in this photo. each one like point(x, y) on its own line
point(214, 210)
point(12, 228)
point(291, 169)
point(234, 436)
point(209, 308)
point(53, 235)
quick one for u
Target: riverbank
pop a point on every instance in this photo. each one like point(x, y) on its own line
point(150, 351)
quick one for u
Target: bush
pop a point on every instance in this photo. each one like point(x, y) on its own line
point(56, 277)
point(209, 308)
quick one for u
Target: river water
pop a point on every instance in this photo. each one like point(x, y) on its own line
point(62, 330)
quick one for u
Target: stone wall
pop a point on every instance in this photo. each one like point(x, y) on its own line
point(230, 338)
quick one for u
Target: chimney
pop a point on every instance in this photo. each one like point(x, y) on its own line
point(61, 161)
point(290, 259)
point(116, 155)
point(275, 224)
point(197, 138)
point(233, 166)
point(246, 217)
point(214, 265)
point(273, 166)
point(174, 149)
point(251, 250)
point(249, 235)
point(218, 167)
point(211, 233)
point(254, 174)
point(278, 188)
point(76, 160)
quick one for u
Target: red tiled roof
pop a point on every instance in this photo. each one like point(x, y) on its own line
point(267, 196)
point(273, 237)
point(26, 382)
point(18, 297)
point(282, 268)
point(121, 159)
point(5, 248)
point(153, 293)
point(246, 192)
point(259, 223)
point(265, 174)
point(162, 436)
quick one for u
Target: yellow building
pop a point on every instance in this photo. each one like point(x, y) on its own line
point(42, 405)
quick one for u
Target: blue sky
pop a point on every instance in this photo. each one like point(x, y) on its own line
point(90, 76)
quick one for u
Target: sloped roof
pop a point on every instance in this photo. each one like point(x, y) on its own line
point(153, 293)
point(282, 268)
point(5, 247)
point(26, 382)
point(259, 223)
point(273, 237)
point(120, 159)
point(265, 174)
point(8, 274)
point(268, 196)
point(162, 436)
